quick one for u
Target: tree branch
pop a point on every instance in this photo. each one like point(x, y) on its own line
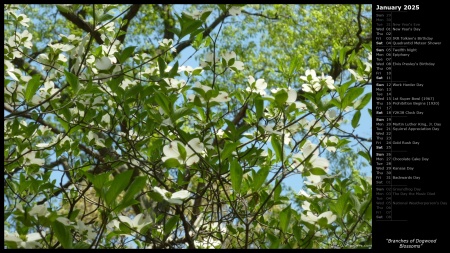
point(261, 15)
point(129, 16)
point(78, 21)
point(25, 66)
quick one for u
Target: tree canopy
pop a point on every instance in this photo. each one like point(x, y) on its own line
point(176, 126)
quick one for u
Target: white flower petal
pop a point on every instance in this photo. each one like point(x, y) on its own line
point(34, 236)
point(103, 63)
point(64, 221)
point(196, 144)
point(329, 216)
point(292, 96)
point(183, 194)
point(161, 192)
point(171, 150)
point(235, 10)
point(175, 201)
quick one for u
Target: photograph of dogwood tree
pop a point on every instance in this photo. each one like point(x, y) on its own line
point(187, 126)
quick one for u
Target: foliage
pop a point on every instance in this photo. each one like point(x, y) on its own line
point(111, 141)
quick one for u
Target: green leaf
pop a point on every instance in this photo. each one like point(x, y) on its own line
point(182, 151)
point(297, 232)
point(370, 112)
point(355, 202)
point(170, 224)
point(162, 101)
point(364, 101)
point(156, 196)
point(32, 87)
point(294, 65)
point(98, 180)
point(181, 112)
point(124, 228)
point(322, 222)
point(126, 53)
point(137, 185)
point(260, 177)
point(236, 175)
point(63, 234)
point(125, 204)
point(119, 184)
point(276, 144)
point(228, 149)
point(277, 191)
point(197, 41)
point(342, 204)
point(72, 80)
point(365, 155)
point(62, 8)
point(171, 163)
point(354, 93)
point(232, 128)
point(74, 214)
point(175, 30)
point(81, 245)
point(259, 105)
point(66, 113)
point(223, 7)
point(105, 17)
point(356, 118)
point(285, 218)
point(281, 97)
point(368, 213)
point(342, 55)
point(274, 241)
point(174, 70)
point(317, 171)
point(189, 26)
point(162, 67)
point(343, 88)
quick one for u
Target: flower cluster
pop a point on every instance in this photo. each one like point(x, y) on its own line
point(192, 149)
point(315, 83)
point(175, 198)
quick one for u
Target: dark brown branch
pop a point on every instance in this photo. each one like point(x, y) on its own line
point(167, 19)
point(25, 66)
point(78, 21)
point(129, 16)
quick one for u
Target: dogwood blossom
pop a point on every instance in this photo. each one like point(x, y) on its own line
point(315, 83)
point(85, 230)
point(209, 58)
point(234, 10)
point(173, 198)
point(309, 149)
point(171, 151)
point(39, 210)
point(103, 63)
point(259, 86)
point(232, 55)
point(198, 147)
point(30, 158)
point(312, 219)
point(207, 243)
point(165, 43)
point(330, 143)
point(28, 241)
point(222, 97)
point(137, 223)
